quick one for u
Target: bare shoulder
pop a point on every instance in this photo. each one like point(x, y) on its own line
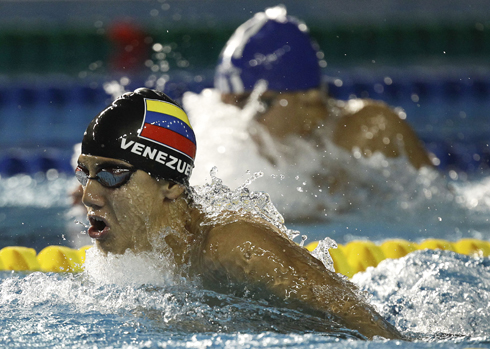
point(367, 112)
point(373, 126)
point(244, 229)
point(238, 237)
point(246, 249)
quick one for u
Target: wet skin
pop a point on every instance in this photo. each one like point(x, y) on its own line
point(368, 125)
point(124, 218)
point(227, 254)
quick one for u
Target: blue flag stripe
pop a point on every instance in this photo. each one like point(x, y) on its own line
point(170, 122)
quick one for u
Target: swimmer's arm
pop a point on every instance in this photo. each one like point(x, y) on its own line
point(254, 255)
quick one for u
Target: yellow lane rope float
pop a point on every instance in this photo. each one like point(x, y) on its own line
point(357, 256)
point(348, 259)
point(50, 259)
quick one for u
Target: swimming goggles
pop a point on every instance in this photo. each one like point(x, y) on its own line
point(107, 177)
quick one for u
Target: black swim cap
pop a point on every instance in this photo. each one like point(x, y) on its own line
point(147, 129)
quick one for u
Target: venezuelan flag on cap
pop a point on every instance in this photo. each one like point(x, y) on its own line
point(167, 124)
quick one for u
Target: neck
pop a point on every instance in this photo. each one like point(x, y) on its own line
point(173, 226)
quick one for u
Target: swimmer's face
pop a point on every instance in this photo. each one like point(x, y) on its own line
point(285, 112)
point(124, 217)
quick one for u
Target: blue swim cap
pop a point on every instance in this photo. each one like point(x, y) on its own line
point(270, 46)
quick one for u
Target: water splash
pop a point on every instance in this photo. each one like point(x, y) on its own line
point(86, 226)
point(48, 310)
point(215, 198)
point(432, 291)
point(321, 252)
point(154, 268)
point(435, 296)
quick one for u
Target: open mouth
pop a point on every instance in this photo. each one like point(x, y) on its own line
point(98, 227)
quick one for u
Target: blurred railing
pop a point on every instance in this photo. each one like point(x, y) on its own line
point(71, 51)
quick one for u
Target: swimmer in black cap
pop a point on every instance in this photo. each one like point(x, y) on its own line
point(137, 156)
point(276, 50)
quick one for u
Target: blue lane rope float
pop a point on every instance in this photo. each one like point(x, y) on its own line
point(349, 259)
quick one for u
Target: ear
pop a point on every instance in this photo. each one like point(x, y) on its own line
point(172, 190)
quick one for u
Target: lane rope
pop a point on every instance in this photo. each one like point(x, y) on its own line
point(357, 256)
point(349, 259)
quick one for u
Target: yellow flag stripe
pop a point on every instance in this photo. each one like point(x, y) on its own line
point(167, 108)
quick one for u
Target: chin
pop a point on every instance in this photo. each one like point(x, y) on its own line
point(107, 246)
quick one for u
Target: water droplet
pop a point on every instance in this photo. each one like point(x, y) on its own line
point(83, 224)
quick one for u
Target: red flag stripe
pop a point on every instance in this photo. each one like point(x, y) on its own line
point(169, 138)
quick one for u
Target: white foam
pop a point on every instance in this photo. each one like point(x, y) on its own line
point(130, 268)
point(431, 292)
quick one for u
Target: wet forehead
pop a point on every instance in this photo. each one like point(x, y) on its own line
point(97, 162)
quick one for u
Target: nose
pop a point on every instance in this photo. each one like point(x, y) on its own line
point(93, 195)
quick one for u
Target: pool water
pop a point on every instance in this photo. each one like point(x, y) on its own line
point(437, 299)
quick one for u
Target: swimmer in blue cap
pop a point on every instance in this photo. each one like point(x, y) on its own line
point(274, 54)
point(136, 159)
